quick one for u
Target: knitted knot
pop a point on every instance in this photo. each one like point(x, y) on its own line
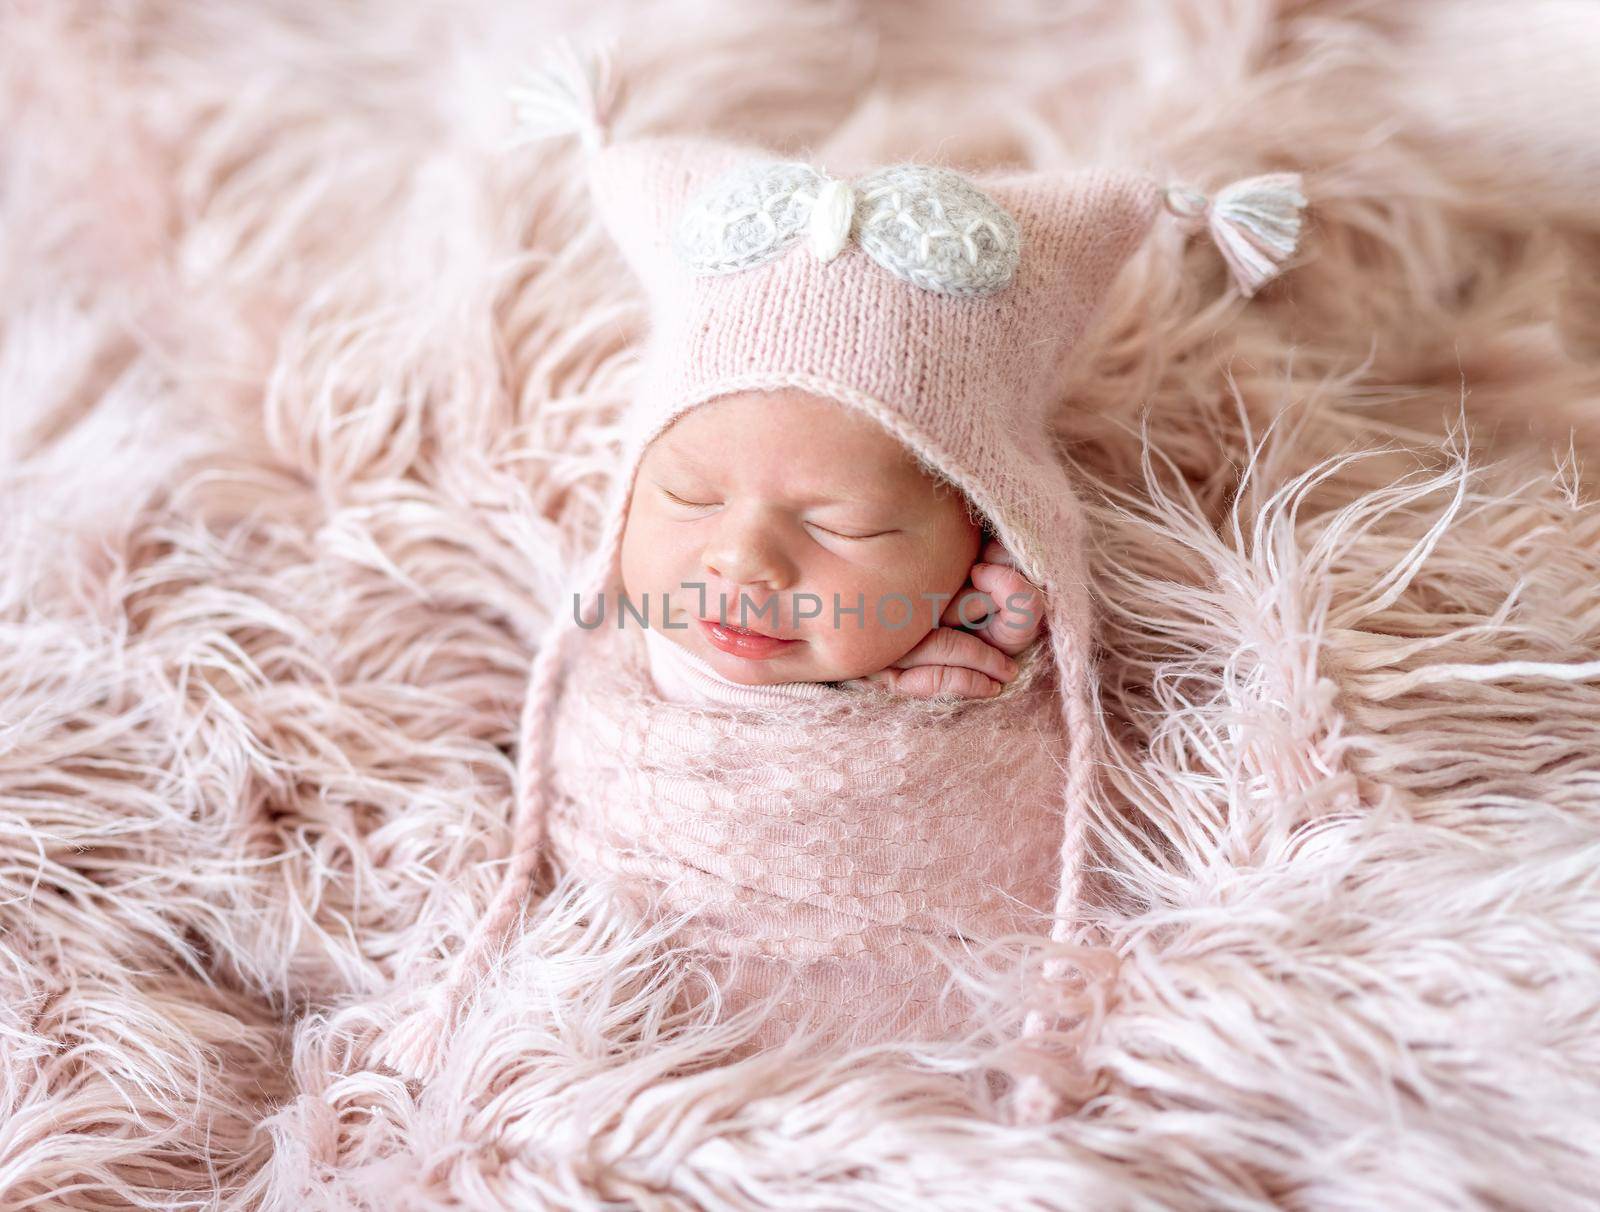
point(1048, 1062)
point(833, 214)
point(929, 226)
point(1188, 204)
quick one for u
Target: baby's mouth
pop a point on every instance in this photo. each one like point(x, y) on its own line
point(743, 641)
point(731, 629)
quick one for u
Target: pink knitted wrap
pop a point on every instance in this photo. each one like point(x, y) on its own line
point(967, 381)
point(822, 843)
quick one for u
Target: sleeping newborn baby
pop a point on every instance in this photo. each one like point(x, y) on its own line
point(778, 545)
point(862, 763)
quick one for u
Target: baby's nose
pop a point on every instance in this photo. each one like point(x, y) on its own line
point(745, 553)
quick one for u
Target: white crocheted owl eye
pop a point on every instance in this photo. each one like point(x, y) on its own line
point(747, 216)
point(937, 230)
point(928, 226)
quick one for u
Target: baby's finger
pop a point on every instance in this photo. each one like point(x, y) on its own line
point(969, 608)
point(947, 646)
point(927, 681)
point(883, 680)
point(1019, 613)
point(996, 552)
point(947, 617)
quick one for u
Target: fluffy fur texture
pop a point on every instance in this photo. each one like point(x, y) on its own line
point(309, 398)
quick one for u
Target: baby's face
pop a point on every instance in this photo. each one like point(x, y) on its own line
point(797, 505)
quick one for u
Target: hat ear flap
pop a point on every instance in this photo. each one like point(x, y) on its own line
point(641, 189)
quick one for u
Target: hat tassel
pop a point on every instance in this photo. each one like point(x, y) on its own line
point(1255, 224)
point(570, 92)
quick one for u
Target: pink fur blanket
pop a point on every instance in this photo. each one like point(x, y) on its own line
point(308, 401)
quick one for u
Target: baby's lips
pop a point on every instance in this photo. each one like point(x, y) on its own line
point(730, 625)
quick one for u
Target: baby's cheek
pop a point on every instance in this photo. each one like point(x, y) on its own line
point(855, 649)
point(872, 638)
point(643, 567)
point(653, 562)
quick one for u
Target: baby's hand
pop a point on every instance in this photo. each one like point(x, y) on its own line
point(998, 603)
point(1005, 613)
point(947, 661)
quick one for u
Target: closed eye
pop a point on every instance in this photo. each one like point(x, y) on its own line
point(875, 535)
point(691, 504)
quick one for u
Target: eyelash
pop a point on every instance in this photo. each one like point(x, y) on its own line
point(708, 504)
point(837, 535)
point(691, 504)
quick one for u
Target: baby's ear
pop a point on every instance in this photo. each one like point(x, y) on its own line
point(640, 189)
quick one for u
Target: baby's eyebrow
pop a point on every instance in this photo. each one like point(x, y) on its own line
point(866, 499)
point(687, 460)
point(683, 458)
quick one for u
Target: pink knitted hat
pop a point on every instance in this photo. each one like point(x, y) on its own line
point(945, 307)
